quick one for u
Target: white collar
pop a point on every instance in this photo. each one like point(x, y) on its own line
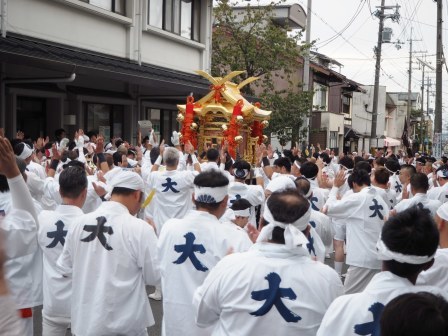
point(280, 251)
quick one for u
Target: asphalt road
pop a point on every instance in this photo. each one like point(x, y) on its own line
point(156, 307)
point(155, 330)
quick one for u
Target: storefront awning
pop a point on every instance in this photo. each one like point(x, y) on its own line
point(392, 142)
point(351, 133)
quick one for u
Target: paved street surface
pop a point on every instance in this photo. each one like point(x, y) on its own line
point(156, 307)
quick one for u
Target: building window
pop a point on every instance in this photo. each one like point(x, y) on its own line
point(181, 17)
point(345, 104)
point(163, 122)
point(116, 6)
point(105, 119)
point(334, 140)
point(320, 98)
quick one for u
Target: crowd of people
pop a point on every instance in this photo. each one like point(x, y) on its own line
point(231, 247)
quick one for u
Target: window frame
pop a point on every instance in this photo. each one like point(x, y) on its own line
point(172, 18)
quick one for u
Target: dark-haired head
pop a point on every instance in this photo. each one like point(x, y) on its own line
point(360, 178)
point(212, 155)
point(283, 164)
point(73, 182)
point(346, 162)
point(364, 165)
point(240, 204)
point(381, 175)
point(415, 314)
point(358, 159)
point(419, 183)
point(309, 170)
point(411, 232)
point(392, 165)
point(303, 185)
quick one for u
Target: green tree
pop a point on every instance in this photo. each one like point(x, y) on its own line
point(250, 40)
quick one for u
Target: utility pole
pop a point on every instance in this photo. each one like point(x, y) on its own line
point(428, 85)
point(411, 52)
point(376, 88)
point(439, 63)
point(381, 16)
point(306, 64)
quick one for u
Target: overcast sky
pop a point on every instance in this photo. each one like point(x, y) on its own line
point(347, 31)
point(353, 47)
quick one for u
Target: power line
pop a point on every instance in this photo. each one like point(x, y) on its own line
point(353, 18)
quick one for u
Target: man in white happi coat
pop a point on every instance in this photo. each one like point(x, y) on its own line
point(319, 222)
point(363, 213)
point(437, 275)
point(216, 161)
point(406, 172)
point(111, 256)
point(407, 246)
point(53, 229)
point(275, 288)
point(23, 258)
point(239, 189)
point(345, 165)
point(419, 187)
point(440, 192)
point(189, 248)
point(380, 181)
point(395, 185)
point(25, 152)
point(319, 195)
point(173, 188)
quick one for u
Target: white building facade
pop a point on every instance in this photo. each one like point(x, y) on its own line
point(100, 64)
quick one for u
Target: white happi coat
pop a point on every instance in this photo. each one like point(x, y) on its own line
point(240, 239)
point(23, 265)
point(235, 296)
point(439, 193)
point(172, 199)
point(437, 275)
point(364, 221)
point(52, 232)
point(362, 311)
point(37, 169)
point(418, 199)
point(23, 258)
point(322, 224)
point(388, 195)
point(188, 248)
point(111, 256)
point(319, 198)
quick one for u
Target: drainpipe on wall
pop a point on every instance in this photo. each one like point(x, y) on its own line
point(4, 10)
point(139, 32)
point(3, 84)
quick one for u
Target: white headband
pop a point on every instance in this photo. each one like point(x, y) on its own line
point(442, 172)
point(390, 171)
point(309, 193)
point(442, 212)
point(385, 254)
point(126, 179)
point(210, 195)
point(242, 213)
point(296, 164)
point(26, 152)
point(293, 234)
